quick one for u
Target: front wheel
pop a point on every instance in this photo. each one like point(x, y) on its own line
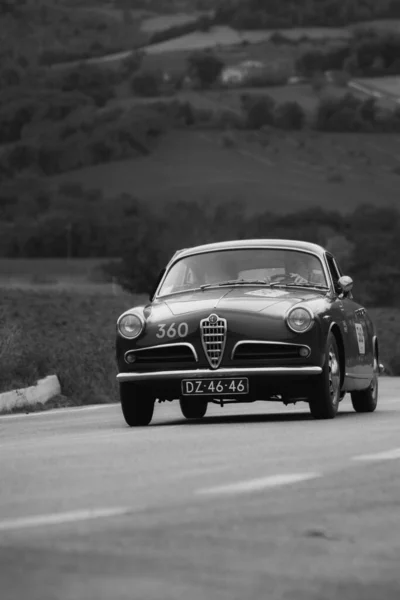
point(325, 396)
point(365, 401)
point(137, 406)
point(193, 408)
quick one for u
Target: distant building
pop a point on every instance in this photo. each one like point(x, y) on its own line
point(232, 75)
point(239, 73)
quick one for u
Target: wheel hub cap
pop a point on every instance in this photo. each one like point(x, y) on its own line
point(334, 376)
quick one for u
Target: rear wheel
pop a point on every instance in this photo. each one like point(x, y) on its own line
point(193, 408)
point(364, 401)
point(325, 396)
point(137, 406)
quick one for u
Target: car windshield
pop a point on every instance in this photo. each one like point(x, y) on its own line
point(252, 266)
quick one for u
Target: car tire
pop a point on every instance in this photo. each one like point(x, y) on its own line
point(136, 405)
point(325, 396)
point(365, 401)
point(193, 408)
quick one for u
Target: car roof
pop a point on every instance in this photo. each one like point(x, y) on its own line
point(252, 243)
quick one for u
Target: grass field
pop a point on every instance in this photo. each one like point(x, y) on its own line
point(226, 36)
point(275, 171)
point(69, 334)
point(80, 275)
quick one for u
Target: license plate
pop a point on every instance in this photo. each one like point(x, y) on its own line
point(215, 387)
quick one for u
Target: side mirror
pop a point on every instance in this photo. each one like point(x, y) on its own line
point(346, 284)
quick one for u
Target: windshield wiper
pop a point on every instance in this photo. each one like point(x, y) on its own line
point(308, 285)
point(235, 282)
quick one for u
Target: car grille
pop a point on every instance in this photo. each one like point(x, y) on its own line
point(270, 351)
point(213, 337)
point(165, 354)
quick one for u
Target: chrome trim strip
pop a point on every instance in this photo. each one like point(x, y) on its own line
point(270, 343)
point(186, 344)
point(216, 373)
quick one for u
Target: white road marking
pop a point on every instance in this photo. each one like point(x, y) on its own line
point(62, 518)
point(388, 455)
point(254, 485)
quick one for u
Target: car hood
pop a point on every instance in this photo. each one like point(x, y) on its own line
point(246, 299)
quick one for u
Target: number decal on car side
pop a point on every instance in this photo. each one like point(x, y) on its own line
point(172, 332)
point(360, 338)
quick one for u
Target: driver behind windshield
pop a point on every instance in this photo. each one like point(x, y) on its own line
point(300, 267)
point(297, 267)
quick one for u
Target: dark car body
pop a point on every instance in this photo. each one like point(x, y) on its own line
point(255, 341)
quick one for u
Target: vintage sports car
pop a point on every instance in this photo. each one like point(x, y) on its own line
point(248, 320)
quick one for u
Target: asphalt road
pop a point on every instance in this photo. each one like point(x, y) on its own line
point(256, 502)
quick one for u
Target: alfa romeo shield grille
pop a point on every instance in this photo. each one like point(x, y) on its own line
point(213, 337)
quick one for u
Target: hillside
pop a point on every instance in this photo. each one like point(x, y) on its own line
point(276, 171)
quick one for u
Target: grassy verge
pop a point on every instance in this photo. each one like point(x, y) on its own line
point(72, 335)
point(387, 322)
point(64, 333)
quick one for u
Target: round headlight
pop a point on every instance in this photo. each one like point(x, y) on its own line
point(300, 319)
point(130, 326)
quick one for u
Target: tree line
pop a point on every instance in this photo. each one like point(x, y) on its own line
point(42, 221)
point(269, 14)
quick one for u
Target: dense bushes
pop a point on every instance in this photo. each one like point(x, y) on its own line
point(83, 140)
point(19, 110)
point(52, 97)
point(147, 84)
point(205, 67)
point(289, 115)
point(68, 34)
point(350, 114)
point(96, 82)
point(263, 111)
point(319, 61)
point(341, 114)
point(369, 54)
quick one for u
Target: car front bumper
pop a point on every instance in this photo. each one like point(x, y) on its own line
point(150, 376)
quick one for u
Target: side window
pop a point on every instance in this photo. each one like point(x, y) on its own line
point(339, 270)
point(334, 271)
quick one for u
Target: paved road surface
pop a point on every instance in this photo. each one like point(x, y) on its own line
point(256, 502)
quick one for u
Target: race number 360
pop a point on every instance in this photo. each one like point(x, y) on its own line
point(172, 330)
